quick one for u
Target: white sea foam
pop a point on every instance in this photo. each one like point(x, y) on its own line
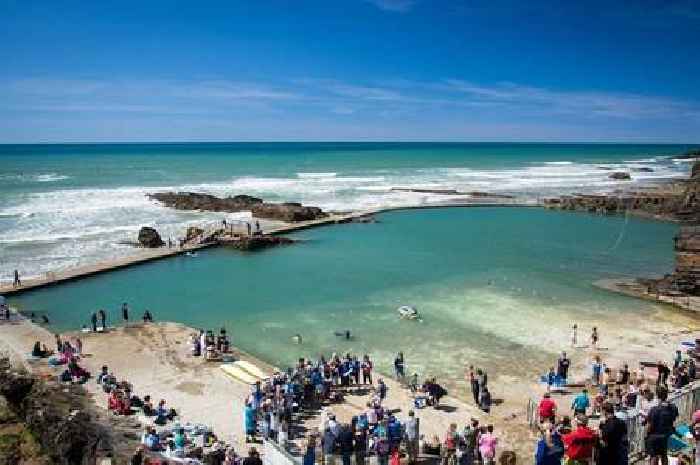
point(42, 177)
point(68, 227)
point(50, 177)
point(316, 175)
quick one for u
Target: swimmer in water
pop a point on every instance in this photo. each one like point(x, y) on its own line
point(297, 338)
point(346, 334)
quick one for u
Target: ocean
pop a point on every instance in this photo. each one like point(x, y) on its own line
point(68, 205)
point(497, 287)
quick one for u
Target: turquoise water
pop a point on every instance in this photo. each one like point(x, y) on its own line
point(69, 205)
point(490, 283)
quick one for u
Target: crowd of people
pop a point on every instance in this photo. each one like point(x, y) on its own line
point(478, 381)
point(211, 347)
point(613, 396)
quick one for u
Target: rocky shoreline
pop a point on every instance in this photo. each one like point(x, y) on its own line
point(290, 212)
point(57, 424)
point(678, 202)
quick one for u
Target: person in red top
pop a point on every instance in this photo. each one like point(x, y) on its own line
point(578, 445)
point(547, 409)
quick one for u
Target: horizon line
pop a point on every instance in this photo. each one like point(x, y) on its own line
point(165, 142)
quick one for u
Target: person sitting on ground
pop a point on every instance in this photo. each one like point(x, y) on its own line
point(163, 414)
point(179, 441)
point(104, 372)
point(151, 440)
point(39, 351)
point(147, 317)
point(147, 406)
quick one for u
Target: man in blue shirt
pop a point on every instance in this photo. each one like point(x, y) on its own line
point(581, 403)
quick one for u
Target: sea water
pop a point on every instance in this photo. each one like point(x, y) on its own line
point(68, 205)
point(495, 287)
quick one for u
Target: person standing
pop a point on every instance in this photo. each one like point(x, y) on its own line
point(381, 387)
point(328, 445)
point(563, 365)
point(474, 381)
point(366, 370)
point(485, 400)
point(579, 444)
point(550, 448)
point(581, 403)
point(594, 337)
point(660, 426)
point(487, 446)
point(399, 366)
point(253, 458)
point(614, 445)
point(125, 312)
point(345, 444)
point(17, 282)
point(547, 409)
point(310, 451)
point(574, 335)
point(663, 373)
point(103, 319)
point(412, 436)
point(93, 320)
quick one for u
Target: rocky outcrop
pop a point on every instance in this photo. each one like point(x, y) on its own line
point(149, 238)
point(685, 278)
point(61, 420)
point(689, 155)
point(678, 201)
point(620, 176)
point(250, 243)
point(290, 211)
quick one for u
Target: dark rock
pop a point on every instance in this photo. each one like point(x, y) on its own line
point(289, 212)
point(689, 155)
point(149, 238)
point(685, 278)
point(61, 419)
point(249, 243)
point(620, 175)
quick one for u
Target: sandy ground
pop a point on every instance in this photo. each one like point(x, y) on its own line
point(155, 359)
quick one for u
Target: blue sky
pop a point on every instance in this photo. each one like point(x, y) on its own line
point(350, 70)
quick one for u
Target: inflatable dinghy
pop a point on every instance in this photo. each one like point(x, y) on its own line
point(407, 312)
